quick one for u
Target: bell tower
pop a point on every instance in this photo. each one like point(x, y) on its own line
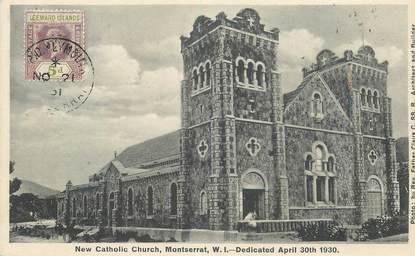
point(231, 121)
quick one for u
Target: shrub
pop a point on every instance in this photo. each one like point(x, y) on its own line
point(381, 227)
point(321, 232)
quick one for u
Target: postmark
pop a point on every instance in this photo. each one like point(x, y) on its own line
point(56, 62)
point(64, 89)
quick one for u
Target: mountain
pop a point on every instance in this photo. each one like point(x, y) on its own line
point(36, 189)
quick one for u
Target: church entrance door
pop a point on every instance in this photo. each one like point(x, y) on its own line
point(253, 201)
point(374, 199)
point(253, 195)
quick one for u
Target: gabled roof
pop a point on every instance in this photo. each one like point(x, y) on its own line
point(290, 96)
point(157, 148)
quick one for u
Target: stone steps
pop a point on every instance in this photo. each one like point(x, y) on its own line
point(266, 226)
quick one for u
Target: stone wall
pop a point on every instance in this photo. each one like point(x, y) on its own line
point(299, 142)
point(161, 216)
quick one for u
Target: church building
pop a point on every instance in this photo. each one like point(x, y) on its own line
point(322, 151)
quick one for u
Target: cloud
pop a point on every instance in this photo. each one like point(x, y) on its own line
point(298, 46)
point(391, 53)
point(113, 65)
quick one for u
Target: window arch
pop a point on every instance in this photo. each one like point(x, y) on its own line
point(208, 73)
point(308, 162)
point(260, 74)
point(250, 72)
point(195, 79)
point(375, 99)
point(150, 201)
point(320, 176)
point(85, 206)
point(369, 98)
point(73, 207)
point(203, 203)
point(201, 77)
point(173, 199)
point(130, 201)
point(317, 104)
point(240, 70)
point(363, 96)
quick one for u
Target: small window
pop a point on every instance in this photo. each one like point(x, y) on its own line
point(149, 201)
point(250, 73)
point(375, 99)
point(260, 75)
point(369, 98)
point(309, 188)
point(173, 199)
point(241, 71)
point(317, 104)
point(363, 97)
point(320, 188)
point(130, 202)
point(208, 74)
point(308, 162)
point(330, 164)
point(195, 80)
point(202, 77)
point(331, 189)
point(203, 203)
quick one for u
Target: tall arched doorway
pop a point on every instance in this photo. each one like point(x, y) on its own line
point(374, 197)
point(254, 194)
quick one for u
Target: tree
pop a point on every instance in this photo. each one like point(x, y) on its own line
point(15, 183)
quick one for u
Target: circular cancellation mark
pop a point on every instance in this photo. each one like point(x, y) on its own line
point(62, 72)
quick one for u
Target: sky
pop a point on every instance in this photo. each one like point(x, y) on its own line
point(135, 51)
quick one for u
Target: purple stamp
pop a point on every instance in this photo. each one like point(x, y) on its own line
point(47, 24)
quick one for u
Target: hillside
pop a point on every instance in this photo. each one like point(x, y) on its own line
point(36, 189)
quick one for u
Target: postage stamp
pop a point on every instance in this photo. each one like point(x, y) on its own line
point(44, 24)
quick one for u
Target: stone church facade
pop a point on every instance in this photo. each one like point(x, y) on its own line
point(322, 151)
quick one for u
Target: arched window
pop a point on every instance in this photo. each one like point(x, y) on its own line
point(149, 201)
point(375, 99)
point(308, 162)
point(240, 71)
point(130, 202)
point(208, 74)
point(202, 76)
point(330, 164)
point(74, 207)
point(97, 201)
point(320, 182)
point(195, 79)
point(363, 97)
point(369, 98)
point(250, 73)
point(260, 75)
point(173, 199)
point(203, 203)
point(85, 206)
point(317, 104)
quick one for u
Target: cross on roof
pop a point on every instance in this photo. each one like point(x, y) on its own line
point(253, 146)
point(251, 21)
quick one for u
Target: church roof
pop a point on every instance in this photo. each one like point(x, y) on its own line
point(290, 96)
point(164, 146)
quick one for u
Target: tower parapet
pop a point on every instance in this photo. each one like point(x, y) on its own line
point(365, 56)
